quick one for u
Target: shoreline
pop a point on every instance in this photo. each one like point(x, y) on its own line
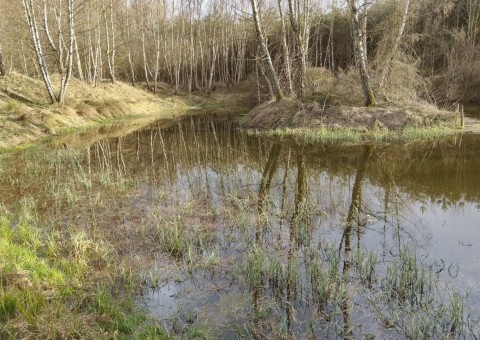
point(27, 117)
point(309, 122)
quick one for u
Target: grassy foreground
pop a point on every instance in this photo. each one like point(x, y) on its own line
point(56, 286)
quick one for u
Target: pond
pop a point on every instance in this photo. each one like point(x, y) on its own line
point(245, 236)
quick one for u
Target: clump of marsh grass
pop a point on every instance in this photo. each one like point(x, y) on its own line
point(412, 299)
point(173, 237)
point(255, 268)
point(323, 272)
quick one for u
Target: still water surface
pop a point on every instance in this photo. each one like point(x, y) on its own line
point(367, 198)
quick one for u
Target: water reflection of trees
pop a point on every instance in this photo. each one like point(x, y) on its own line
point(305, 197)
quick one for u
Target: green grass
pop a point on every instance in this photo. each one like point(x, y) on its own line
point(46, 290)
point(352, 136)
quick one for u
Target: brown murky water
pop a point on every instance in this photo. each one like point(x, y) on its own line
point(289, 211)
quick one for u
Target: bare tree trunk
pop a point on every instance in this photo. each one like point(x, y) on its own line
point(212, 66)
point(398, 39)
point(2, 65)
point(24, 59)
point(270, 73)
point(363, 22)
point(79, 62)
point(286, 54)
point(300, 26)
point(127, 42)
point(69, 63)
point(360, 55)
point(29, 12)
point(109, 25)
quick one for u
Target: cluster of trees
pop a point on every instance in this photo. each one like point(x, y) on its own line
point(194, 44)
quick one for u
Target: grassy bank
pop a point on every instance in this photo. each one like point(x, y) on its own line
point(26, 114)
point(58, 285)
point(310, 122)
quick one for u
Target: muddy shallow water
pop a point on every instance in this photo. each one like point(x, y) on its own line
point(257, 222)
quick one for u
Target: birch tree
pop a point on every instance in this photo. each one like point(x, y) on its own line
point(110, 37)
point(359, 34)
point(270, 72)
point(2, 30)
point(63, 51)
point(2, 65)
point(396, 43)
point(285, 50)
point(31, 19)
point(300, 20)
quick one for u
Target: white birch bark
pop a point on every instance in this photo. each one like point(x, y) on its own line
point(270, 73)
point(360, 54)
point(29, 12)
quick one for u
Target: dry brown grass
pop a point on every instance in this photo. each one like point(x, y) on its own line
point(25, 113)
point(336, 101)
point(296, 114)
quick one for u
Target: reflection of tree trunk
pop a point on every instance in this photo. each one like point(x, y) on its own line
point(267, 176)
point(297, 219)
point(347, 235)
point(265, 184)
point(122, 168)
point(284, 190)
point(301, 188)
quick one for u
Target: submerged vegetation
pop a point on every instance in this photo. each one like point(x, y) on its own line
point(199, 230)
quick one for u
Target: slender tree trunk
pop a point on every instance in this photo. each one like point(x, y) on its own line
point(110, 40)
point(29, 12)
point(271, 75)
point(2, 65)
point(212, 66)
point(360, 55)
point(363, 23)
point(398, 39)
point(79, 62)
point(128, 42)
point(300, 27)
point(69, 63)
point(286, 54)
point(24, 58)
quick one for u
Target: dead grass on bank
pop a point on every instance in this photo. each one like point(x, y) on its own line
point(336, 101)
point(296, 114)
point(26, 114)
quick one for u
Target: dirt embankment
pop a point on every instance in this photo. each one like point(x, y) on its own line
point(296, 114)
point(26, 114)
